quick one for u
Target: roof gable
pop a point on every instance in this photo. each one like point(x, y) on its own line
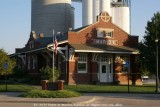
point(84, 35)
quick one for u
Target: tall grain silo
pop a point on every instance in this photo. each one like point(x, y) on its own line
point(87, 12)
point(96, 9)
point(51, 14)
point(105, 6)
point(121, 14)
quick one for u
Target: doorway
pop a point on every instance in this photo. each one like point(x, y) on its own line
point(106, 74)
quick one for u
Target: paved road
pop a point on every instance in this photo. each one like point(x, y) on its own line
point(126, 100)
point(17, 105)
point(88, 100)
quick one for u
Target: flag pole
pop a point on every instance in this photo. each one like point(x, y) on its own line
point(53, 56)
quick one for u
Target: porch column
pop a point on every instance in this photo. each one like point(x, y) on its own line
point(72, 70)
point(135, 74)
point(94, 71)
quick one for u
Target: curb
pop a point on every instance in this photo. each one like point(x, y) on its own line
point(9, 101)
point(89, 101)
point(48, 100)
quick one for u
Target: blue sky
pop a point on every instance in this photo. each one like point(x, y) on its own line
point(15, 20)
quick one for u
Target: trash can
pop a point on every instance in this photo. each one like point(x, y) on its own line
point(44, 84)
point(60, 84)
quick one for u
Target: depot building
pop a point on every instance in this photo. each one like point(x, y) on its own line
point(98, 53)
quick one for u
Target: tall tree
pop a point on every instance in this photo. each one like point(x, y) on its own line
point(4, 58)
point(148, 45)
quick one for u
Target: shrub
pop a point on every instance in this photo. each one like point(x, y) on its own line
point(18, 73)
point(50, 94)
point(47, 74)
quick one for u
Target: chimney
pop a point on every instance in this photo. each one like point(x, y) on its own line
point(41, 35)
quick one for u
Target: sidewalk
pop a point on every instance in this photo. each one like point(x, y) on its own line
point(12, 98)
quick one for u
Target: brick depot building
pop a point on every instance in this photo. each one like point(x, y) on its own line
point(101, 52)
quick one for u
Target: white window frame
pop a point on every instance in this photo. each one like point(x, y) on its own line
point(104, 58)
point(109, 34)
point(82, 59)
point(104, 33)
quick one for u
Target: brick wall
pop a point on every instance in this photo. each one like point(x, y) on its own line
point(83, 78)
point(85, 35)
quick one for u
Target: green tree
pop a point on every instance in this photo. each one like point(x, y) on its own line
point(11, 63)
point(148, 46)
point(4, 58)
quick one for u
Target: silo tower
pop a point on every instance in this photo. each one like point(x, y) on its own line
point(119, 10)
point(121, 14)
point(51, 14)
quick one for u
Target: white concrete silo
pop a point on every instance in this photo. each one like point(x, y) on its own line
point(105, 6)
point(87, 12)
point(92, 8)
point(121, 14)
point(96, 9)
point(121, 17)
point(51, 14)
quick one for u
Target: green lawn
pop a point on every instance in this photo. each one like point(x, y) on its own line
point(15, 88)
point(111, 88)
point(86, 88)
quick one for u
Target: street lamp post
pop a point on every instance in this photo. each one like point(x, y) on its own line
point(157, 77)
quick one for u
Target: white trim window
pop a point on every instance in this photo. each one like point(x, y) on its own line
point(109, 34)
point(104, 33)
point(82, 63)
point(104, 58)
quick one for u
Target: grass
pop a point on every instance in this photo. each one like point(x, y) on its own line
point(86, 88)
point(50, 94)
point(15, 88)
point(111, 88)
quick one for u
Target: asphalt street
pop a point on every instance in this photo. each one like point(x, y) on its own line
point(87, 100)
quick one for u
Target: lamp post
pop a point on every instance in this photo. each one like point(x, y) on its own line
point(157, 79)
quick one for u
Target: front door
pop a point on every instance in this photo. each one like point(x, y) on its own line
point(105, 73)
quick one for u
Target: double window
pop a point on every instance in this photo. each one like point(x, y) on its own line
point(104, 33)
point(82, 63)
point(32, 62)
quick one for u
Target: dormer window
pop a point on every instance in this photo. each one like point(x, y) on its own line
point(109, 34)
point(104, 33)
point(31, 44)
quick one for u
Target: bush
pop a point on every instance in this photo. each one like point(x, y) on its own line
point(30, 79)
point(18, 73)
point(47, 74)
point(50, 94)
